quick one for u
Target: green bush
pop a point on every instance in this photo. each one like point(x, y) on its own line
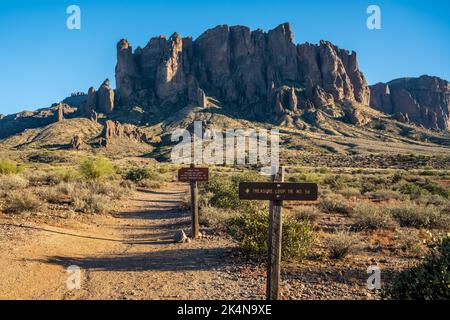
point(428, 281)
point(64, 175)
point(139, 174)
point(96, 168)
point(336, 182)
point(225, 191)
point(9, 167)
point(250, 229)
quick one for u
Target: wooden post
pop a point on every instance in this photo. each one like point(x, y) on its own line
point(194, 208)
point(275, 232)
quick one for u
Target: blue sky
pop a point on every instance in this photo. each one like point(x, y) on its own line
point(41, 61)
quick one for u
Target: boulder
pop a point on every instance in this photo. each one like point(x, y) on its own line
point(180, 237)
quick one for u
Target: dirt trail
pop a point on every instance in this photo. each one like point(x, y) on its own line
point(128, 256)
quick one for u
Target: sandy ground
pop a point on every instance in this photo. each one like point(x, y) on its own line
point(130, 255)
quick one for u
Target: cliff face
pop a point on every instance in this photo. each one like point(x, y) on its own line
point(258, 72)
point(424, 100)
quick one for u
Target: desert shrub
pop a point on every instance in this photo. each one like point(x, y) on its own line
point(150, 184)
point(250, 229)
point(437, 189)
point(45, 157)
point(413, 190)
point(398, 177)
point(334, 203)
point(96, 168)
point(433, 199)
point(419, 216)
point(409, 244)
point(87, 202)
point(12, 182)
point(340, 244)
point(306, 177)
point(336, 182)
point(427, 281)
point(371, 217)
point(164, 168)
point(306, 213)
point(139, 174)
point(225, 191)
point(22, 202)
point(386, 194)
point(9, 167)
point(112, 189)
point(64, 175)
point(350, 192)
point(216, 218)
point(324, 170)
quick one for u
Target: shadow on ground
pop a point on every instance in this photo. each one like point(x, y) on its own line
point(164, 260)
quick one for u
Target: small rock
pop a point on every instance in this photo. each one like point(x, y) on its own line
point(180, 237)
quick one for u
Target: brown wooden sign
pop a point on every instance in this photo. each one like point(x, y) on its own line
point(278, 191)
point(193, 174)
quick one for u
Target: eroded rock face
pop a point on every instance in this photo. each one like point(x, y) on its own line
point(102, 101)
point(424, 101)
point(114, 129)
point(105, 98)
point(77, 143)
point(239, 67)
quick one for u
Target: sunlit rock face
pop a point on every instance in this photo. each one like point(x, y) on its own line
point(260, 73)
point(424, 101)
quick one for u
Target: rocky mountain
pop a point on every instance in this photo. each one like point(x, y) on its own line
point(424, 100)
point(264, 75)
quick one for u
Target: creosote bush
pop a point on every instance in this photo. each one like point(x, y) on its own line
point(250, 229)
point(96, 168)
point(225, 191)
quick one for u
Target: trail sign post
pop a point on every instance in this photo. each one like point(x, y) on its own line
point(193, 175)
point(276, 191)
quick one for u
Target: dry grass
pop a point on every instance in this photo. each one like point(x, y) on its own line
point(340, 244)
point(22, 202)
point(307, 213)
